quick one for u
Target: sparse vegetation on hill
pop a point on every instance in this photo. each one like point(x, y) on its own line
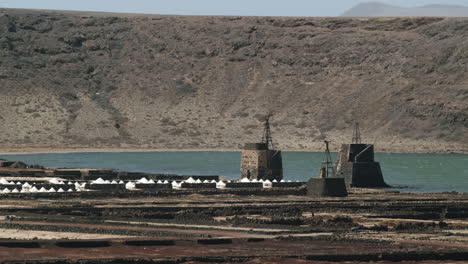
point(105, 80)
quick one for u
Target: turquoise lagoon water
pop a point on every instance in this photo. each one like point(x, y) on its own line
point(419, 172)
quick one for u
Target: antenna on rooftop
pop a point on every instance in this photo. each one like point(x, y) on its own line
point(327, 169)
point(267, 133)
point(356, 134)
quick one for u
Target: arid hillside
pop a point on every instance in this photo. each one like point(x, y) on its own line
point(95, 80)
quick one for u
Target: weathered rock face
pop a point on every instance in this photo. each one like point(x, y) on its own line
point(102, 80)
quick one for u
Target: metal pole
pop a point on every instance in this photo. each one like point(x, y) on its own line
point(356, 134)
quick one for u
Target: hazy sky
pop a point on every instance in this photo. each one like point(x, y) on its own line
point(216, 7)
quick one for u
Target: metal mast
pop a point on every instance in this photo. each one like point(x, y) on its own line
point(327, 169)
point(267, 134)
point(356, 134)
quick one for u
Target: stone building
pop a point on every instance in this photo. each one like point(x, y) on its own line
point(326, 185)
point(260, 160)
point(357, 166)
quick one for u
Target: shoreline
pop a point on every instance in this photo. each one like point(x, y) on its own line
point(28, 151)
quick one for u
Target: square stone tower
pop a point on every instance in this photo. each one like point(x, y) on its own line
point(325, 185)
point(260, 160)
point(357, 166)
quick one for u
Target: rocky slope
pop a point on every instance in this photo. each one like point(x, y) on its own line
point(118, 81)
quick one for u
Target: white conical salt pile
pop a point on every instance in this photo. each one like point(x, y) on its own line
point(159, 182)
point(78, 190)
point(52, 190)
point(151, 182)
point(18, 183)
point(213, 181)
point(143, 180)
point(166, 182)
point(5, 182)
point(130, 186)
point(60, 190)
point(6, 190)
point(254, 180)
point(114, 182)
point(54, 181)
point(70, 183)
point(43, 190)
point(15, 190)
point(34, 189)
point(289, 181)
point(245, 180)
point(261, 180)
point(220, 185)
point(61, 183)
point(190, 180)
point(206, 181)
point(83, 185)
point(121, 182)
point(267, 184)
point(70, 190)
point(26, 188)
point(229, 181)
point(107, 182)
point(174, 184)
point(98, 181)
point(198, 181)
point(275, 180)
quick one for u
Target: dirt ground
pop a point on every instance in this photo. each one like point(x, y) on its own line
point(374, 226)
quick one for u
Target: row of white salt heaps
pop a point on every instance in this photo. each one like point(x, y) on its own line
point(101, 181)
point(28, 188)
point(220, 184)
point(35, 190)
point(175, 184)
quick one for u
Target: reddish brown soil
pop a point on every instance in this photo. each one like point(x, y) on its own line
point(268, 248)
point(214, 233)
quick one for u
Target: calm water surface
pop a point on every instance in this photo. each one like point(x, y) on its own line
point(420, 172)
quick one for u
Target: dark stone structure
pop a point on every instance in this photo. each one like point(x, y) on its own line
point(236, 185)
point(153, 186)
point(6, 163)
point(261, 160)
point(103, 174)
point(288, 184)
point(187, 185)
point(326, 187)
point(29, 173)
point(356, 165)
point(107, 187)
point(68, 174)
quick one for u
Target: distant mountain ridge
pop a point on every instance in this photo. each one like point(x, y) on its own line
point(377, 9)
